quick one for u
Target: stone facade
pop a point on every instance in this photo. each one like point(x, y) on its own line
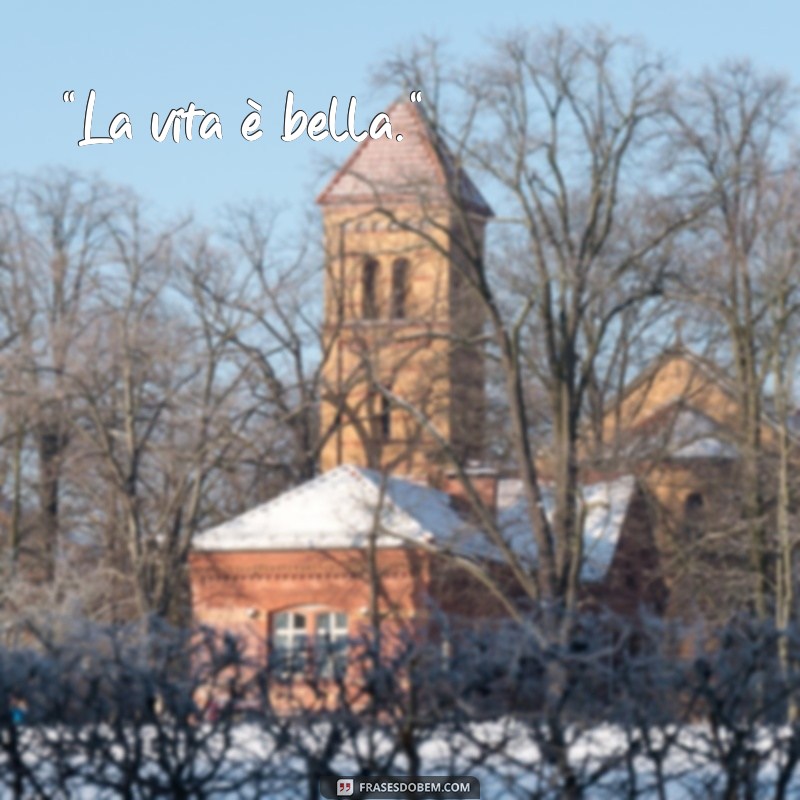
point(401, 326)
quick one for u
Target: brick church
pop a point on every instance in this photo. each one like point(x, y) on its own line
point(384, 530)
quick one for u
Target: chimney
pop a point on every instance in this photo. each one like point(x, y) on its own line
point(484, 482)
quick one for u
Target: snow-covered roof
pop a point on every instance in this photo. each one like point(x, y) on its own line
point(339, 510)
point(694, 434)
point(707, 447)
point(682, 432)
point(604, 506)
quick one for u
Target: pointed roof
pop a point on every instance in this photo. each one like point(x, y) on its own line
point(417, 169)
point(339, 509)
point(681, 406)
point(701, 368)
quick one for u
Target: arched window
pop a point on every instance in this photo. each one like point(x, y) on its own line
point(369, 279)
point(379, 408)
point(386, 418)
point(693, 516)
point(309, 637)
point(694, 503)
point(399, 288)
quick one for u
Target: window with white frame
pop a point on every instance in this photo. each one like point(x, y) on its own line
point(330, 646)
point(290, 641)
point(306, 638)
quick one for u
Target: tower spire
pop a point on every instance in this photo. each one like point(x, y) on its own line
point(403, 373)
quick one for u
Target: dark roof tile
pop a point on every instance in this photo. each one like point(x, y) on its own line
point(419, 169)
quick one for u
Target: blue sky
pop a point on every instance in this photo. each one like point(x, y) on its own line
point(150, 56)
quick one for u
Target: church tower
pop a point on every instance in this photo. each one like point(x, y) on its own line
point(403, 372)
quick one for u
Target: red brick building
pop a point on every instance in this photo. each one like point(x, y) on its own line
point(322, 560)
point(352, 546)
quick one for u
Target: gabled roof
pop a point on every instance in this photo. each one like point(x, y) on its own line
point(704, 371)
point(418, 170)
point(339, 509)
point(695, 415)
point(676, 431)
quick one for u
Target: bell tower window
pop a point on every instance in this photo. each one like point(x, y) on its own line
point(369, 277)
point(379, 408)
point(399, 288)
point(385, 419)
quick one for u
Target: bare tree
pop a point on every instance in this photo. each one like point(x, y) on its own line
point(566, 126)
point(733, 130)
point(274, 292)
point(162, 409)
point(156, 378)
point(778, 341)
point(53, 234)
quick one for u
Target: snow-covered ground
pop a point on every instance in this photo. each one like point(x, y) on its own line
point(245, 761)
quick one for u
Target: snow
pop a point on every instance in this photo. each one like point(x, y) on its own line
point(607, 761)
point(604, 506)
point(691, 423)
point(340, 509)
point(707, 447)
point(688, 434)
point(694, 435)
